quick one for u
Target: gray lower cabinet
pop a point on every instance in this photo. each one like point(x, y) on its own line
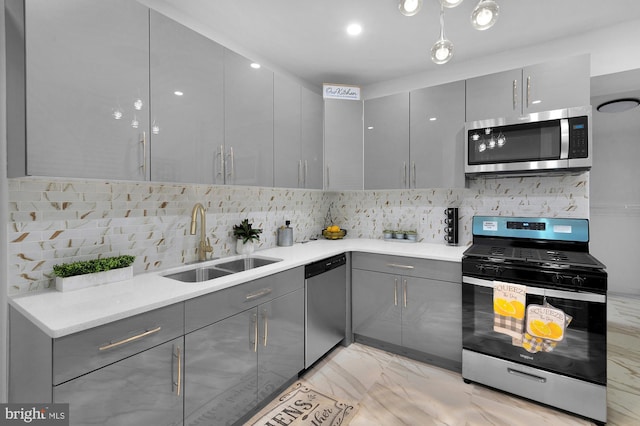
point(412, 304)
point(236, 362)
point(144, 389)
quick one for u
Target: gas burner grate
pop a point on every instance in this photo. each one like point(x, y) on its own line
point(557, 256)
point(496, 251)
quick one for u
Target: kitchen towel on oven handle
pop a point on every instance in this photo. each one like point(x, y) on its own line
point(509, 308)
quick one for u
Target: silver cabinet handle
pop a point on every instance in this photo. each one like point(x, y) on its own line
point(526, 375)
point(414, 174)
point(266, 327)
point(257, 294)
point(221, 154)
point(299, 172)
point(232, 164)
point(395, 292)
point(515, 94)
point(304, 175)
point(143, 166)
point(178, 384)
point(328, 174)
point(129, 339)
point(254, 320)
point(404, 293)
point(404, 164)
point(528, 90)
point(397, 265)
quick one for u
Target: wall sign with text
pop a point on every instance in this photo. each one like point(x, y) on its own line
point(338, 91)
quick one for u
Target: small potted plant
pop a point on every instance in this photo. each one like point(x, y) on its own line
point(89, 273)
point(246, 235)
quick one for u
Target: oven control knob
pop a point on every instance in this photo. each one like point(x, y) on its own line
point(556, 278)
point(480, 268)
point(498, 270)
point(577, 281)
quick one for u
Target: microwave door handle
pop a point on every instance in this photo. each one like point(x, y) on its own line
point(564, 139)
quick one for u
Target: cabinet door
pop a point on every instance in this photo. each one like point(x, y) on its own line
point(432, 317)
point(343, 144)
point(187, 110)
point(248, 100)
point(221, 362)
point(311, 139)
point(83, 91)
point(286, 133)
point(495, 95)
point(386, 142)
point(376, 308)
point(557, 84)
point(139, 390)
point(437, 136)
point(281, 342)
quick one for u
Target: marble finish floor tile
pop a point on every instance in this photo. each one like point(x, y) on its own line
point(393, 390)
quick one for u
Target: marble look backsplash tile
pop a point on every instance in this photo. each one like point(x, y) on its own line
point(54, 221)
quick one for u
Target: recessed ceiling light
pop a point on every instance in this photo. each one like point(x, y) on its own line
point(178, 93)
point(619, 105)
point(354, 29)
point(255, 65)
point(433, 118)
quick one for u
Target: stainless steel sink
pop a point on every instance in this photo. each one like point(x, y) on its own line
point(246, 263)
point(198, 275)
point(218, 270)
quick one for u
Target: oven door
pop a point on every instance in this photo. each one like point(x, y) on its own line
point(581, 354)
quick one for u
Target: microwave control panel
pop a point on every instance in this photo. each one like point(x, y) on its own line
point(578, 137)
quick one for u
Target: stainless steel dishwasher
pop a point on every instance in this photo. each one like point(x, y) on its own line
point(325, 306)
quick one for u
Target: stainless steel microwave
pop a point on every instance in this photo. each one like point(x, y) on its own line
point(538, 143)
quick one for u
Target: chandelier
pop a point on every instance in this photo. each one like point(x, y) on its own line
point(483, 17)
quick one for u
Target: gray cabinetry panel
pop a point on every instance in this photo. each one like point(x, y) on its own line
point(190, 127)
point(386, 142)
point(409, 266)
point(311, 139)
point(80, 353)
point(207, 309)
point(139, 390)
point(248, 124)
point(77, 87)
point(286, 133)
point(343, 144)
point(437, 116)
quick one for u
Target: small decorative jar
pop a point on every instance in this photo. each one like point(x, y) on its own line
point(387, 234)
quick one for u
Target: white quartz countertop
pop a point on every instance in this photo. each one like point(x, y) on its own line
point(62, 313)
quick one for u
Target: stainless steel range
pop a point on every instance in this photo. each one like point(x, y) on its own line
point(535, 314)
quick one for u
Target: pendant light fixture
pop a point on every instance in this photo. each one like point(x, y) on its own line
point(451, 3)
point(442, 50)
point(485, 15)
point(409, 7)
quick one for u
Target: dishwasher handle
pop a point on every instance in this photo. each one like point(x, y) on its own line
point(322, 266)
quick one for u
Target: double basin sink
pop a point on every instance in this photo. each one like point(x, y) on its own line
point(206, 273)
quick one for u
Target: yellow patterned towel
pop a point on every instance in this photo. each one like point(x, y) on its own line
point(509, 308)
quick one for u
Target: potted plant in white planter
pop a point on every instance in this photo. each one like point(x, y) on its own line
point(246, 235)
point(88, 273)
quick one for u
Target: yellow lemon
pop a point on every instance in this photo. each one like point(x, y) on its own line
point(555, 330)
point(519, 307)
point(539, 328)
point(334, 228)
point(503, 307)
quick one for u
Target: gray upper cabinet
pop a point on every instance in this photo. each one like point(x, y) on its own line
point(187, 103)
point(437, 136)
point(248, 106)
point(386, 142)
point(343, 144)
point(552, 85)
point(311, 139)
point(287, 132)
point(87, 96)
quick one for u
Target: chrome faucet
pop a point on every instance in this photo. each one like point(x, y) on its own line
point(205, 245)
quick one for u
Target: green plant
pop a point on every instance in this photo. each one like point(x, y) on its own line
point(246, 231)
point(90, 266)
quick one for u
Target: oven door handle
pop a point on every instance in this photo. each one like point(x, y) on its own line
point(559, 294)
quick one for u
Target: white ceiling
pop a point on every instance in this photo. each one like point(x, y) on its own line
point(308, 39)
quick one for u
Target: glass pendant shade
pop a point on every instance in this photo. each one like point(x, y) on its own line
point(442, 50)
point(409, 7)
point(484, 15)
point(451, 3)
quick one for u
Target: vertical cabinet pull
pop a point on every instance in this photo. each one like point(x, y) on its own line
point(178, 384)
point(404, 165)
point(528, 90)
point(304, 175)
point(255, 333)
point(414, 174)
point(221, 170)
point(299, 172)
point(328, 174)
point(404, 293)
point(232, 165)
point(143, 141)
point(266, 327)
point(515, 94)
point(395, 292)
